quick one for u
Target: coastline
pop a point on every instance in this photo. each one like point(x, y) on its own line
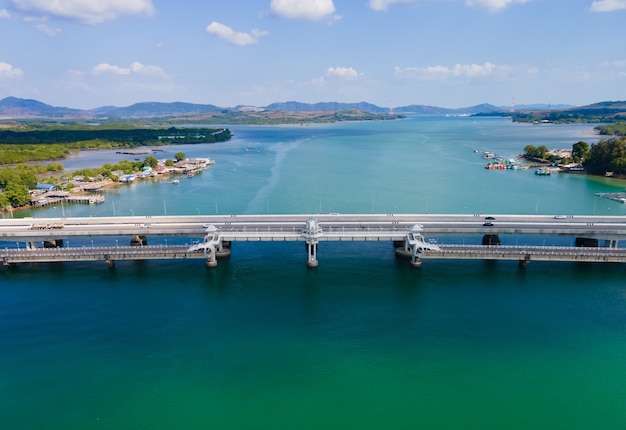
point(92, 189)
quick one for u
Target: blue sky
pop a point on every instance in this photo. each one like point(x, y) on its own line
point(449, 53)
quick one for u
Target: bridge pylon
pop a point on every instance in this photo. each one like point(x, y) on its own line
point(210, 245)
point(415, 245)
point(312, 234)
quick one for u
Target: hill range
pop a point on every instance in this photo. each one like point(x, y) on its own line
point(18, 108)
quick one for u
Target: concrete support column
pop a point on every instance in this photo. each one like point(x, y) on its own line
point(109, 261)
point(415, 245)
point(312, 255)
point(211, 256)
point(416, 261)
point(524, 263)
point(312, 233)
point(611, 243)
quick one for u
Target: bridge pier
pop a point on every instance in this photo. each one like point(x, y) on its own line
point(491, 239)
point(586, 242)
point(211, 261)
point(139, 240)
point(109, 261)
point(416, 262)
point(312, 255)
point(524, 263)
point(311, 234)
point(611, 243)
point(415, 245)
point(223, 249)
point(212, 245)
point(53, 243)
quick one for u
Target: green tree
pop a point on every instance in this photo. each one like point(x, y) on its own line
point(580, 151)
point(180, 156)
point(607, 156)
point(542, 151)
point(169, 162)
point(4, 201)
point(17, 194)
point(530, 150)
point(151, 161)
point(536, 152)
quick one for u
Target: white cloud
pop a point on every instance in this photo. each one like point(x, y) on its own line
point(342, 72)
point(108, 68)
point(236, 38)
point(311, 10)
point(143, 69)
point(4, 13)
point(493, 5)
point(458, 71)
point(47, 30)
point(135, 68)
point(85, 11)
point(8, 71)
point(386, 4)
point(607, 5)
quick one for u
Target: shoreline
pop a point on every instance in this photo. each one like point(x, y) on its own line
point(190, 167)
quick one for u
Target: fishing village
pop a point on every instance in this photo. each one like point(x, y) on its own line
point(91, 190)
point(523, 162)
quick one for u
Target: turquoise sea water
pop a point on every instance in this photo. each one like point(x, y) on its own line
point(363, 341)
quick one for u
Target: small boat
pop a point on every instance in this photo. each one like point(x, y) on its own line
point(542, 172)
point(175, 181)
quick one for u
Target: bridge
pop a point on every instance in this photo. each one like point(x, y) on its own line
point(597, 236)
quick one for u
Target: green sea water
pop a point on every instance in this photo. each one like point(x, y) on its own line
point(363, 341)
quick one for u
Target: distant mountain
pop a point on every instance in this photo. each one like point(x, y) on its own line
point(155, 109)
point(293, 106)
point(602, 107)
point(13, 107)
point(434, 110)
point(421, 109)
point(542, 106)
point(603, 112)
point(324, 107)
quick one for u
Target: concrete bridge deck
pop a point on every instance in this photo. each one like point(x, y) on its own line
point(110, 254)
point(220, 230)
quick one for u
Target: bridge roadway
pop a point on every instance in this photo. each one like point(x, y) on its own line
point(329, 227)
point(110, 254)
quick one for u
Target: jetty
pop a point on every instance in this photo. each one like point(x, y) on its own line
point(58, 197)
